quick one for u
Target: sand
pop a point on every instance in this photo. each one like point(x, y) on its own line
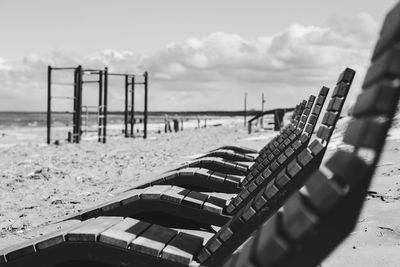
point(41, 184)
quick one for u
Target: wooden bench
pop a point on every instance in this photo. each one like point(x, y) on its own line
point(237, 153)
point(233, 182)
point(190, 208)
point(325, 211)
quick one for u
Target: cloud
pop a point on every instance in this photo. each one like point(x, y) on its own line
point(213, 71)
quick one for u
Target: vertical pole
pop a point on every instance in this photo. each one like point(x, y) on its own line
point(100, 116)
point(145, 105)
point(245, 108)
point(262, 110)
point(126, 106)
point(75, 112)
point(105, 105)
point(132, 104)
point(48, 104)
point(79, 108)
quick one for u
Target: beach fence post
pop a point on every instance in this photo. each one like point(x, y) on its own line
point(75, 112)
point(79, 105)
point(105, 104)
point(145, 105)
point(126, 106)
point(245, 108)
point(132, 105)
point(100, 111)
point(48, 104)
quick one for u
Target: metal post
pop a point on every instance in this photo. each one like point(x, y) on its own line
point(245, 108)
point(132, 104)
point(126, 106)
point(75, 112)
point(48, 104)
point(262, 110)
point(79, 108)
point(145, 105)
point(105, 105)
point(100, 109)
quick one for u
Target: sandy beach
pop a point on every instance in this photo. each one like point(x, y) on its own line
point(40, 185)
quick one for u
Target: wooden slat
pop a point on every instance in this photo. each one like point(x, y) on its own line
point(335, 104)
point(194, 199)
point(31, 246)
point(317, 109)
point(187, 171)
point(182, 248)
point(259, 201)
point(387, 66)
point(124, 232)
point(367, 133)
point(270, 190)
point(312, 119)
point(213, 244)
point(347, 167)
point(323, 193)
point(247, 212)
point(153, 240)
point(379, 100)
point(341, 90)
point(175, 194)
point(308, 129)
point(293, 168)
point(281, 179)
point(310, 101)
point(155, 192)
point(324, 132)
point(390, 32)
point(324, 91)
point(346, 76)
point(214, 204)
point(269, 244)
point(304, 138)
point(217, 177)
point(245, 252)
point(330, 118)
point(315, 147)
point(320, 100)
point(304, 157)
point(90, 232)
point(296, 218)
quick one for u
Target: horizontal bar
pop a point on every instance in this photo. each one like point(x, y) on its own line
point(90, 81)
point(140, 83)
point(63, 97)
point(65, 68)
point(90, 70)
point(63, 83)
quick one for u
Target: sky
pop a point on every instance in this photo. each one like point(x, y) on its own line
point(200, 55)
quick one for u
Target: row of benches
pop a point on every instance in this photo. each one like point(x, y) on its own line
point(273, 207)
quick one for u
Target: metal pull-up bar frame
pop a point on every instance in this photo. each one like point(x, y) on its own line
point(129, 105)
point(77, 101)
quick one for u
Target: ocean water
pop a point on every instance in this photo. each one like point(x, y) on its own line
point(24, 128)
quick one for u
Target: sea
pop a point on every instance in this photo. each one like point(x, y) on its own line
point(31, 127)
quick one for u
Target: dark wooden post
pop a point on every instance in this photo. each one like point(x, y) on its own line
point(79, 107)
point(105, 105)
point(100, 109)
point(245, 108)
point(75, 112)
point(126, 105)
point(132, 104)
point(48, 104)
point(145, 105)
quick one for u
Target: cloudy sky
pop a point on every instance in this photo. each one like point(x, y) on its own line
point(200, 55)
